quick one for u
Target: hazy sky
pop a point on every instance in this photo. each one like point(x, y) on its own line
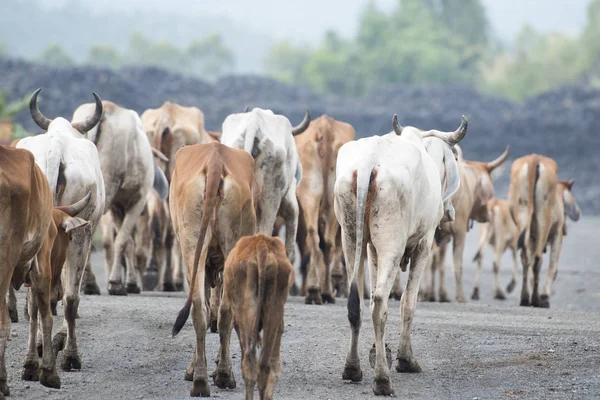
point(307, 19)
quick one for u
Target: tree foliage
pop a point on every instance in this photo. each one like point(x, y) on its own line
point(54, 54)
point(9, 109)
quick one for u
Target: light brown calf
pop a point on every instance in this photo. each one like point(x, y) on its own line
point(33, 241)
point(211, 206)
point(256, 281)
point(470, 204)
point(539, 204)
point(317, 148)
point(500, 233)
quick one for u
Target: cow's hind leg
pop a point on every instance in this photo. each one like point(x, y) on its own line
point(41, 295)
point(498, 294)
point(406, 361)
point(223, 377)
point(515, 266)
point(90, 286)
point(131, 268)
point(31, 367)
point(4, 334)
point(555, 247)
point(12, 305)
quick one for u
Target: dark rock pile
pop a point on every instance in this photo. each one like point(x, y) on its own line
point(560, 123)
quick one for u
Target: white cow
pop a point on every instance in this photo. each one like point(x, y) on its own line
point(389, 198)
point(71, 164)
point(269, 138)
point(130, 172)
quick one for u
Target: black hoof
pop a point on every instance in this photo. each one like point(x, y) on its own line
point(91, 289)
point(116, 289)
point(294, 290)
point(49, 378)
point(31, 371)
point(214, 325)
point(4, 388)
point(407, 366)
point(525, 302)
point(70, 362)
point(388, 355)
point(168, 287)
point(133, 288)
point(475, 295)
point(150, 280)
point(535, 301)
point(200, 388)
point(396, 295)
point(53, 307)
point(382, 387)
point(327, 298)
point(544, 301)
point(499, 295)
point(179, 287)
point(313, 297)
point(511, 286)
point(40, 350)
point(14, 315)
point(444, 298)
point(224, 380)
point(352, 373)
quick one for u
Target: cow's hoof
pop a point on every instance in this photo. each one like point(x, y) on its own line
point(31, 371)
point(352, 372)
point(200, 388)
point(179, 287)
point(461, 299)
point(91, 289)
point(328, 298)
point(313, 297)
point(499, 295)
point(224, 379)
point(396, 295)
point(168, 287)
point(444, 298)
point(388, 356)
point(544, 301)
point(116, 289)
point(14, 315)
point(407, 366)
point(49, 378)
point(70, 362)
point(4, 388)
point(214, 325)
point(58, 343)
point(511, 286)
point(294, 290)
point(40, 350)
point(524, 301)
point(535, 300)
point(53, 307)
point(382, 386)
point(475, 295)
point(150, 280)
point(133, 288)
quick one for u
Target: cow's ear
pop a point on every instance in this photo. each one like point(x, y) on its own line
point(571, 207)
point(451, 177)
point(70, 223)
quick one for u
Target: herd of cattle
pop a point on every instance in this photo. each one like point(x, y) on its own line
point(395, 200)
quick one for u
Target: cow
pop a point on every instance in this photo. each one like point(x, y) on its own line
point(71, 165)
point(501, 233)
point(389, 199)
point(129, 172)
point(469, 204)
point(34, 237)
point(539, 204)
point(269, 138)
point(256, 279)
point(170, 127)
point(211, 202)
point(318, 148)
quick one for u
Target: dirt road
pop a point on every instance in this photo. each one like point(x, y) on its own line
point(479, 350)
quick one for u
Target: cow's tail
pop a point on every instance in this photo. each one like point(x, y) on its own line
point(265, 262)
point(249, 142)
point(213, 186)
point(533, 175)
point(55, 170)
point(363, 179)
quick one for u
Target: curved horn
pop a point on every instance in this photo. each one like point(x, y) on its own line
point(36, 114)
point(246, 109)
point(75, 209)
point(498, 161)
point(451, 138)
point(296, 130)
point(159, 155)
point(396, 125)
point(92, 121)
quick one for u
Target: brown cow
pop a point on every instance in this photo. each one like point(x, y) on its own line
point(539, 203)
point(169, 128)
point(470, 203)
point(256, 281)
point(317, 148)
point(33, 243)
point(212, 206)
point(500, 233)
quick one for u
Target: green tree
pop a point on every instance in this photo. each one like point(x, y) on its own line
point(210, 57)
point(103, 55)
point(56, 56)
point(8, 110)
point(286, 62)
